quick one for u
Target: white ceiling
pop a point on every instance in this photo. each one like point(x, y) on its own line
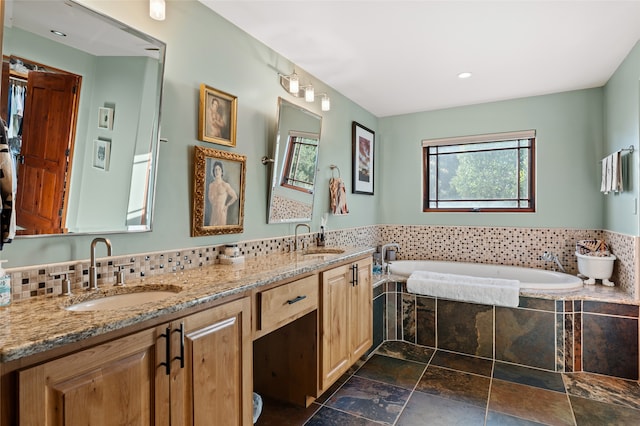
point(399, 57)
point(83, 29)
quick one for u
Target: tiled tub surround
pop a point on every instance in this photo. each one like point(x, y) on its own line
point(507, 246)
point(558, 334)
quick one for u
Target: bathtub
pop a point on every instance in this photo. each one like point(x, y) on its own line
point(529, 278)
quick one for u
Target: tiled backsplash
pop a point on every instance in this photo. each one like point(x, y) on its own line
point(508, 246)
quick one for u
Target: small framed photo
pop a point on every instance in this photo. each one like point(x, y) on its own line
point(101, 154)
point(218, 116)
point(105, 118)
point(218, 192)
point(363, 154)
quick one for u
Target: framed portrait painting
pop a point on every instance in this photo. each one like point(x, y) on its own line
point(363, 140)
point(218, 192)
point(217, 119)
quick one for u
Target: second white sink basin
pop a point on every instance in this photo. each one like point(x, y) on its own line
point(119, 301)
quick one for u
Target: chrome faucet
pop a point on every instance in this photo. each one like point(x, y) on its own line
point(295, 238)
point(548, 256)
point(385, 264)
point(93, 273)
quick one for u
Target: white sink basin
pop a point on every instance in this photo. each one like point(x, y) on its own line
point(119, 301)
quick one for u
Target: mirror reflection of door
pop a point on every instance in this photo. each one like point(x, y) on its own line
point(42, 142)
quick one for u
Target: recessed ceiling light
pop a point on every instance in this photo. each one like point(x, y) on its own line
point(58, 33)
point(464, 75)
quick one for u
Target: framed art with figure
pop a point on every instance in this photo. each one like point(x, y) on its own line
point(217, 119)
point(363, 140)
point(218, 192)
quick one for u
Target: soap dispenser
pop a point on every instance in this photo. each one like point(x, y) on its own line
point(5, 286)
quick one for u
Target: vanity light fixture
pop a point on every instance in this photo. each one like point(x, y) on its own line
point(157, 9)
point(291, 83)
point(464, 75)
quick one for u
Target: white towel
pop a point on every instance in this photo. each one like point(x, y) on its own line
point(487, 291)
point(612, 173)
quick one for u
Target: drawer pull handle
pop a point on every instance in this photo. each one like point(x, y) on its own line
point(181, 357)
point(297, 299)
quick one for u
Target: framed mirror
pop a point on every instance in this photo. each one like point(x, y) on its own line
point(293, 176)
point(81, 100)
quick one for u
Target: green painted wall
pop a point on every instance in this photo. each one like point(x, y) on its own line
point(622, 118)
point(204, 48)
point(569, 137)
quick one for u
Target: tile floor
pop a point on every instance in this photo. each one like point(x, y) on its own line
point(404, 384)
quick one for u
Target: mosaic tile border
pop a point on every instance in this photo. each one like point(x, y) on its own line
point(508, 246)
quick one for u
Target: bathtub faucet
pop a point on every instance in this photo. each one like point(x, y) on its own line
point(385, 264)
point(548, 256)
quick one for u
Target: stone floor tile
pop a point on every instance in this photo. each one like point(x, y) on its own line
point(398, 372)
point(459, 386)
point(423, 409)
point(530, 403)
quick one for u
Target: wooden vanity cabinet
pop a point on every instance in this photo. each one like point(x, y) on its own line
point(208, 379)
point(346, 319)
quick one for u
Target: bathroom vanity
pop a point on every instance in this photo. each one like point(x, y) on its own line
point(289, 331)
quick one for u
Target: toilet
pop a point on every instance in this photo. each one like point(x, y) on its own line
point(596, 268)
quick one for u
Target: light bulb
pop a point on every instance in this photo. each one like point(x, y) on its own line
point(294, 84)
point(157, 9)
point(309, 94)
point(326, 103)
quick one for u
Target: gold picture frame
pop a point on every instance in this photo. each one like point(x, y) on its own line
point(217, 118)
point(218, 192)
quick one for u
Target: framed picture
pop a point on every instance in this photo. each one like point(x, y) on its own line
point(363, 151)
point(101, 154)
point(218, 116)
point(105, 118)
point(218, 192)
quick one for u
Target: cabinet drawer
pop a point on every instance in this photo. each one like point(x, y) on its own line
point(281, 305)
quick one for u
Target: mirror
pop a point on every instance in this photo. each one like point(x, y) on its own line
point(85, 154)
point(295, 162)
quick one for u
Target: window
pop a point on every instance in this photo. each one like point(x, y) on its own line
point(300, 163)
point(490, 173)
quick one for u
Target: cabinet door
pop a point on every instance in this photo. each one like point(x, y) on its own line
point(215, 385)
point(361, 311)
point(334, 353)
point(110, 384)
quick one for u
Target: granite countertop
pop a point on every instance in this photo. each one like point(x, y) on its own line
point(41, 323)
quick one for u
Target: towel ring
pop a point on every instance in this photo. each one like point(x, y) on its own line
point(332, 167)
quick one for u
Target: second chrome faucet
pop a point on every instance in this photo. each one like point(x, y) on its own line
point(93, 272)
